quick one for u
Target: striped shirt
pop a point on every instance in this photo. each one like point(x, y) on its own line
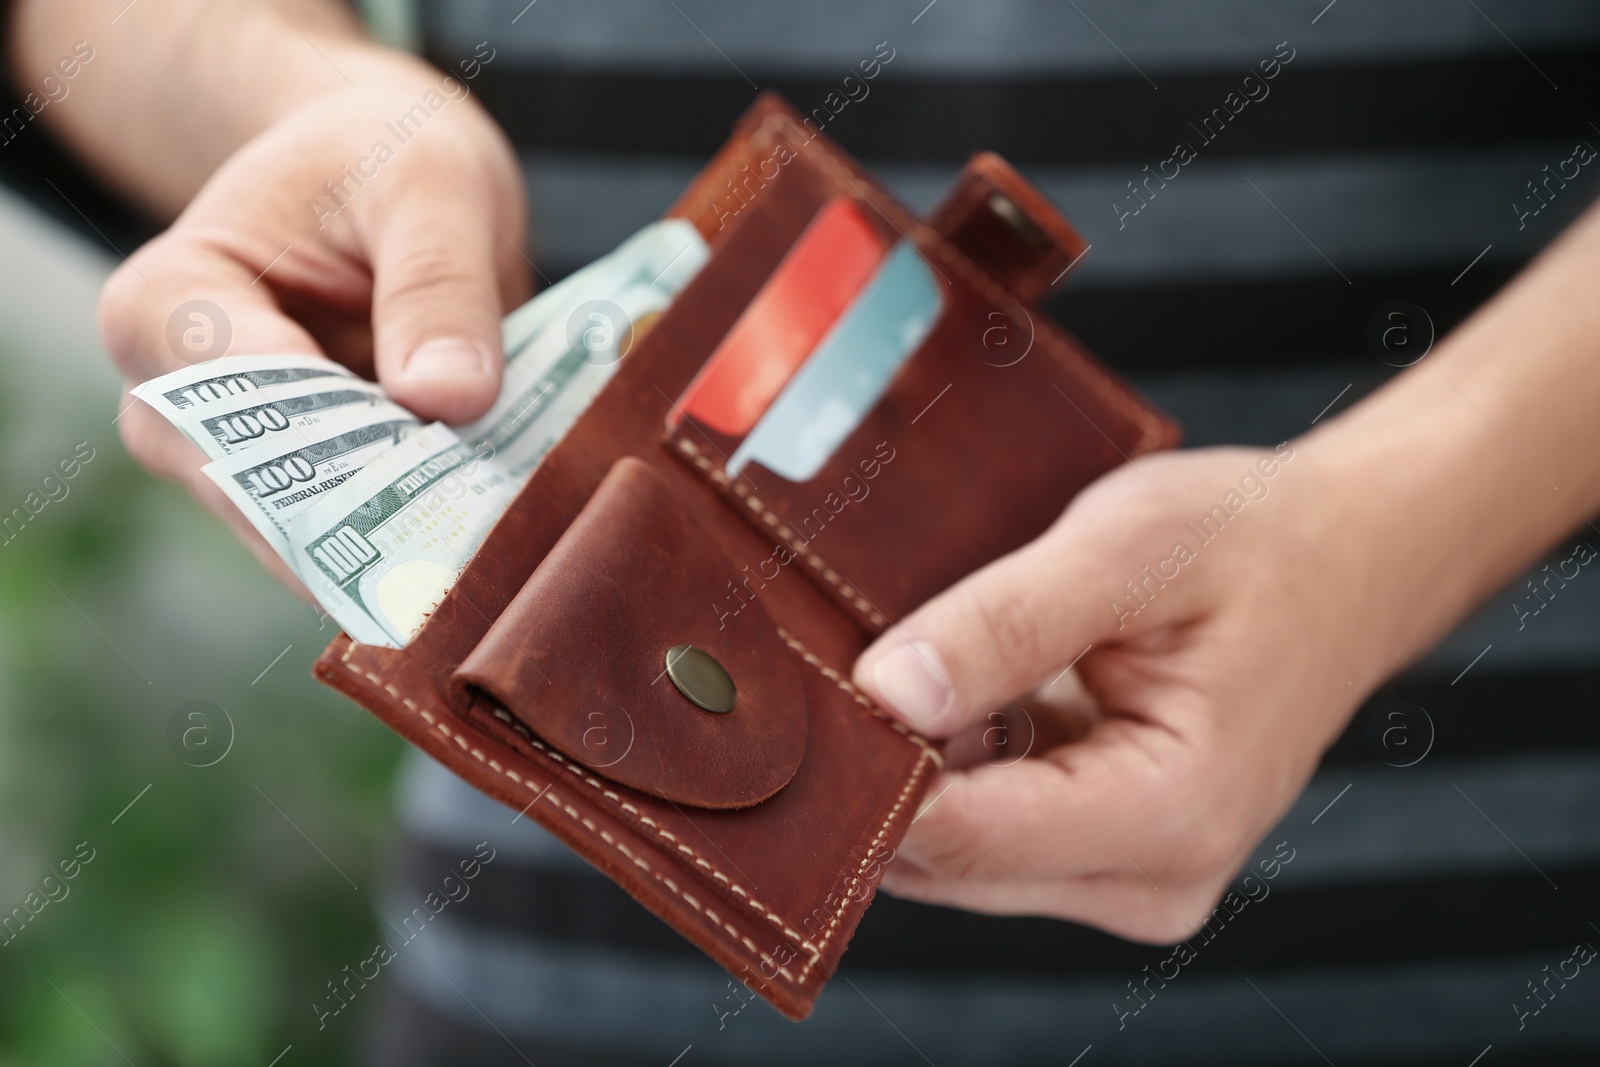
point(1249, 236)
point(1402, 151)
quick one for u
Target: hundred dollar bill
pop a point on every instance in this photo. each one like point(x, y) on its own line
point(223, 384)
point(293, 411)
point(392, 555)
point(663, 254)
point(574, 342)
point(418, 519)
point(382, 552)
point(270, 488)
point(377, 514)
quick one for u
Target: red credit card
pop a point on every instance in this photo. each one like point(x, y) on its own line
point(826, 268)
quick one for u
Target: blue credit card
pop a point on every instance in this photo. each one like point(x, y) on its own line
point(847, 372)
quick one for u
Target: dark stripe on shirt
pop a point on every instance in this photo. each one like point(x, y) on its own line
point(912, 118)
point(1329, 925)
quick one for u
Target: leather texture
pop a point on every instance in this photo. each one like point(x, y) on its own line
point(760, 835)
point(1008, 229)
point(579, 656)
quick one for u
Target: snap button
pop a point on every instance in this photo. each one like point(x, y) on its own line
point(701, 679)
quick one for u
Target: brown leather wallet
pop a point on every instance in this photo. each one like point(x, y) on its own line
point(760, 834)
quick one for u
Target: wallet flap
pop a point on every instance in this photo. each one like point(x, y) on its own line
point(582, 655)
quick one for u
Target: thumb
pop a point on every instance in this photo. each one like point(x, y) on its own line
point(996, 634)
point(436, 305)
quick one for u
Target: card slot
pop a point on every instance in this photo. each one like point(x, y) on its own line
point(848, 371)
point(795, 308)
point(981, 439)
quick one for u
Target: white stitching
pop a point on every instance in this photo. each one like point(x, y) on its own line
point(927, 754)
point(588, 824)
point(847, 595)
point(855, 694)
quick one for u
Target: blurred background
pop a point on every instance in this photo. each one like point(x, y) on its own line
point(1448, 850)
point(233, 864)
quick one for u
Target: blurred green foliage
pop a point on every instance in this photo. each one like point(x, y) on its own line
point(217, 905)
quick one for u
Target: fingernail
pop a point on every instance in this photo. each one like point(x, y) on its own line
point(447, 357)
point(912, 681)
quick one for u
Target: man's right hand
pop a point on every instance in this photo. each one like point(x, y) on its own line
point(329, 234)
